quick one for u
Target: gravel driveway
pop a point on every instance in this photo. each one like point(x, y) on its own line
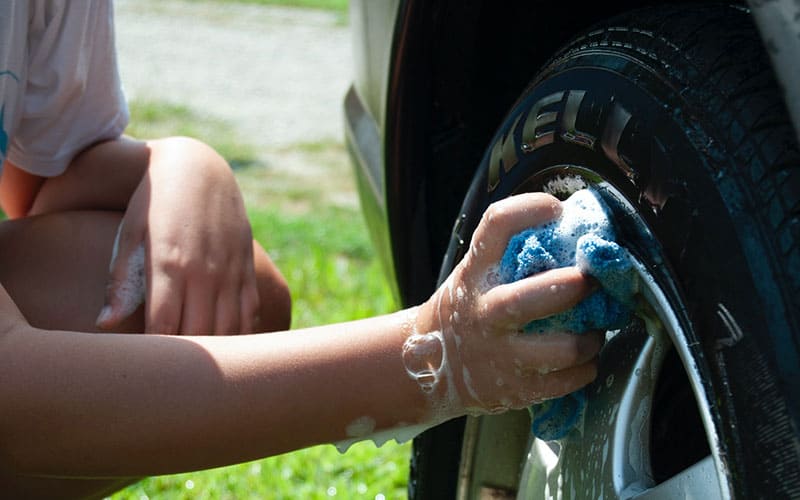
point(278, 74)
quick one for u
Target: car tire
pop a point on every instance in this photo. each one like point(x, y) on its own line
point(675, 111)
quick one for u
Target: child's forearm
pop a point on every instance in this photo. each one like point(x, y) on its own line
point(130, 405)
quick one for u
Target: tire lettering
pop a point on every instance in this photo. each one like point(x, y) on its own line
point(532, 136)
point(569, 118)
point(504, 150)
point(539, 130)
point(615, 124)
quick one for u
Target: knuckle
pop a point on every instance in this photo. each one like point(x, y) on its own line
point(170, 264)
point(496, 213)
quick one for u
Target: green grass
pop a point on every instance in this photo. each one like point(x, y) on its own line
point(153, 119)
point(315, 473)
point(327, 260)
point(339, 6)
point(321, 245)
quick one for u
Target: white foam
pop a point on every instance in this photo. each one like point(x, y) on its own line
point(582, 213)
point(129, 293)
point(361, 427)
point(400, 435)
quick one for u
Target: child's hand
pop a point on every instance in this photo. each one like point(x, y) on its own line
point(186, 227)
point(468, 352)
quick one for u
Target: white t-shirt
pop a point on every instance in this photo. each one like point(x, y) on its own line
point(59, 83)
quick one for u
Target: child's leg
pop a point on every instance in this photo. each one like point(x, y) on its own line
point(55, 268)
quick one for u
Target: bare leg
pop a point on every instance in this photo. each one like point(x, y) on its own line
point(55, 268)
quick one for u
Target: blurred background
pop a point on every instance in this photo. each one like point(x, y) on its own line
point(263, 81)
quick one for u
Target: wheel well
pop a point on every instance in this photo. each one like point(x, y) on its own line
point(458, 66)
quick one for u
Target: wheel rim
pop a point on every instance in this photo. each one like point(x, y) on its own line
point(610, 455)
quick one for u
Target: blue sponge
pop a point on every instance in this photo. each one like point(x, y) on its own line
point(582, 236)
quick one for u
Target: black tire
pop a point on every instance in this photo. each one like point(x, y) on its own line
point(677, 110)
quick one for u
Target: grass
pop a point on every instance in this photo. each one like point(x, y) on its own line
point(315, 233)
point(339, 6)
point(151, 119)
point(315, 473)
point(218, 11)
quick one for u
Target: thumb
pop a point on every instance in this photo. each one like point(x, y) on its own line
point(125, 290)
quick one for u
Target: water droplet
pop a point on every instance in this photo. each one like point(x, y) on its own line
point(189, 484)
point(331, 491)
point(361, 488)
point(380, 496)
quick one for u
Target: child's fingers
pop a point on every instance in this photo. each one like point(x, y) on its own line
point(560, 383)
point(199, 309)
point(513, 305)
point(543, 354)
point(249, 305)
point(505, 218)
point(164, 303)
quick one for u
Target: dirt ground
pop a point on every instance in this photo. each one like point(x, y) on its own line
point(280, 74)
point(277, 75)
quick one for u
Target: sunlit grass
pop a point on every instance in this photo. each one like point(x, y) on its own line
point(320, 242)
point(154, 119)
point(315, 473)
point(332, 5)
point(327, 260)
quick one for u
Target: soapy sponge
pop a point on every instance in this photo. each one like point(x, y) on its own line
point(582, 236)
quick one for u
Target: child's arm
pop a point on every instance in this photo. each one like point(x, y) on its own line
point(100, 405)
point(181, 202)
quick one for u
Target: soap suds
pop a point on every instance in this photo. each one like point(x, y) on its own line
point(129, 293)
point(401, 434)
point(361, 427)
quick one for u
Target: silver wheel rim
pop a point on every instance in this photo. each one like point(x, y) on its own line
point(608, 457)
